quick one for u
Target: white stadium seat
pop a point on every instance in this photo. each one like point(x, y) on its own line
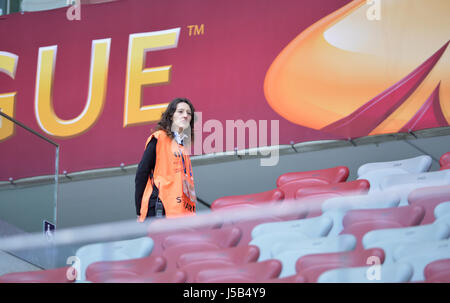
point(384, 273)
point(418, 164)
point(376, 176)
point(420, 254)
point(390, 239)
point(40, 5)
point(311, 227)
point(442, 209)
point(404, 184)
point(265, 242)
point(113, 251)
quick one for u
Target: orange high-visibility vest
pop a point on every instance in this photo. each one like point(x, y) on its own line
point(172, 176)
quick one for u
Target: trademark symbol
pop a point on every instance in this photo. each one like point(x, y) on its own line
point(196, 30)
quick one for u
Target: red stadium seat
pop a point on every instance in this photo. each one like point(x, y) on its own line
point(172, 253)
point(316, 177)
point(444, 161)
point(223, 237)
point(429, 198)
point(438, 271)
point(359, 222)
point(295, 180)
point(236, 255)
point(99, 271)
point(312, 266)
point(270, 196)
point(298, 278)
point(404, 215)
point(56, 275)
point(248, 273)
point(177, 276)
point(314, 196)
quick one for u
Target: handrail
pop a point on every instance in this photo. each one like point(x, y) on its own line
point(29, 129)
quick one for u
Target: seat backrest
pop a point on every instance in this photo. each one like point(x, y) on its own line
point(57, 275)
point(102, 270)
point(177, 276)
point(339, 189)
point(374, 177)
point(404, 215)
point(289, 253)
point(444, 159)
point(385, 273)
point(420, 254)
point(224, 237)
point(238, 255)
point(442, 209)
point(312, 266)
point(336, 208)
point(269, 196)
point(251, 272)
point(316, 177)
point(405, 184)
point(438, 271)
point(411, 165)
point(312, 227)
point(113, 251)
point(313, 197)
point(390, 239)
point(369, 201)
point(429, 198)
point(265, 242)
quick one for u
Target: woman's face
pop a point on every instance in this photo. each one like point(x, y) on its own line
point(182, 117)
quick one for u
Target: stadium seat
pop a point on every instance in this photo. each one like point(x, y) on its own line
point(404, 215)
point(316, 177)
point(420, 254)
point(265, 242)
point(312, 266)
point(266, 197)
point(56, 275)
point(360, 222)
point(248, 273)
point(444, 161)
point(442, 209)
point(405, 184)
point(429, 198)
point(314, 196)
point(289, 279)
point(389, 239)
point(237, 255)
point(159, 237)
point(39, 5)
point(336, 208)
point(438, 271)
point(286, 185)
point(172, 253)
point(418, 164)
point(375, 177)
point(385, 273)
point(288, 253)
point(177, 276)
point(100, 271)
point(113, 251)
point(312, 227)
point(223, 237)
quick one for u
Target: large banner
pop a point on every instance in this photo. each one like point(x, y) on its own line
point(96, 78)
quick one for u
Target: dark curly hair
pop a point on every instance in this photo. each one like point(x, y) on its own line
point(166, 118)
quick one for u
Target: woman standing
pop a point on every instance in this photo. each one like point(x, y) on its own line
point(164, 182)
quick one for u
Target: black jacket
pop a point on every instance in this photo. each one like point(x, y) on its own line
point(144, 170)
